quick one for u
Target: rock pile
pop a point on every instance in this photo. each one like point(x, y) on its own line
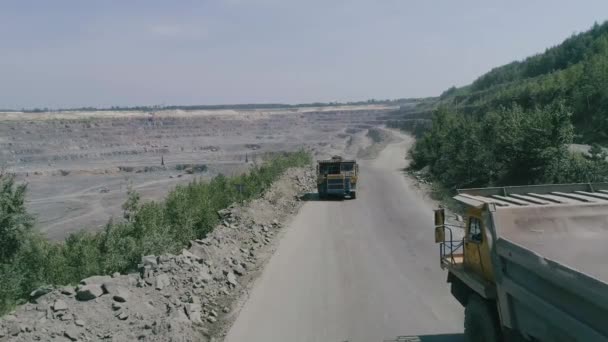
point(184, 297)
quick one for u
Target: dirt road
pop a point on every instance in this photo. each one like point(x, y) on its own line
point(363, 270)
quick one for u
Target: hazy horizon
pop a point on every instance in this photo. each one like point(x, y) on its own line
point(64, 54)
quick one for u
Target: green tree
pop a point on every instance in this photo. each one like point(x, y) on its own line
point(15, 222)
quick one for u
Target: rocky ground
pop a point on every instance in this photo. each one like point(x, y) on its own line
point(193, 296)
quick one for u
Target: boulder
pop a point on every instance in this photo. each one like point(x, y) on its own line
point(118, 293)
point(149, 260)
point(68, 290)
point(41, 291)
point(238, 270)
point(60, 305)
point(13, 329)
point(204, 276)
point(231, 279)
point(224, 213)
point(71, 334)
point(88, 292)
point(165, 258)
point(193, 311)
point(190, 255)
point(162, 281)
point(122, 316)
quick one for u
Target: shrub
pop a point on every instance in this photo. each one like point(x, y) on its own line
point(508, 146)
point(15, 222)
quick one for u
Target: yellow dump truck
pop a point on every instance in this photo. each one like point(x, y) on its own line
point(530, 262)
point(337, 177)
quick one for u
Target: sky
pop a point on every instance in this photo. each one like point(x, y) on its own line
point(61, 54)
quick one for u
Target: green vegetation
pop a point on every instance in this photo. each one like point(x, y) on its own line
point(504, 147)
point(513, 125)
point(28, 260)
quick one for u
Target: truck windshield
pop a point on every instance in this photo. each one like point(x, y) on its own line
point(347, 167)
point(329, 168)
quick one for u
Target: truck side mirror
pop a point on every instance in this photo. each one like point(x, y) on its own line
point(439, 225)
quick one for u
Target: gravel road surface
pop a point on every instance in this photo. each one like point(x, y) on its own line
point(361, 270)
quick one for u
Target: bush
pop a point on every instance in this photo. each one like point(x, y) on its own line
point(15, 222)
point(29, 261)
point(508, 146)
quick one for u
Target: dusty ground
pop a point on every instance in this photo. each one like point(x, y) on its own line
point(364, 270)
point(79, 164)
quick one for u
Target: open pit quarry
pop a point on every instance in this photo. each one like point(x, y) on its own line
point(79, 165)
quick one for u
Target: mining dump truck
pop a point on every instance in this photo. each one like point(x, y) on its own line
point(337, 177)
point(530, 262)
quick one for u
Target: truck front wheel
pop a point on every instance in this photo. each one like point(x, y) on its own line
point(480, 321)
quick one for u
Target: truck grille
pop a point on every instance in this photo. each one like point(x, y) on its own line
point(334, 184)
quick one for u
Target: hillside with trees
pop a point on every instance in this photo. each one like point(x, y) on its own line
point(574, 72)
point(513, 125)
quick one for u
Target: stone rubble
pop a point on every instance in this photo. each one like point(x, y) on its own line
point(191, 296)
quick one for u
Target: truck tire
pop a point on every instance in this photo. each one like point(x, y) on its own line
point(353, 195)
point(480, 321)
point(459, 290)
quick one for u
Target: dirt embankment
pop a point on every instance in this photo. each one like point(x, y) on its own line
point(188, 297)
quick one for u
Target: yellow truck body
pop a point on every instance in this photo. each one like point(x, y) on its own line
point(529, 263)
point(337, 177)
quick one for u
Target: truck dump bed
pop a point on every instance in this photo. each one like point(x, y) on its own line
point(575, 236)
point(550, 258)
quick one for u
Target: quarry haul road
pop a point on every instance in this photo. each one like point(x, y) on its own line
point(364, 270)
